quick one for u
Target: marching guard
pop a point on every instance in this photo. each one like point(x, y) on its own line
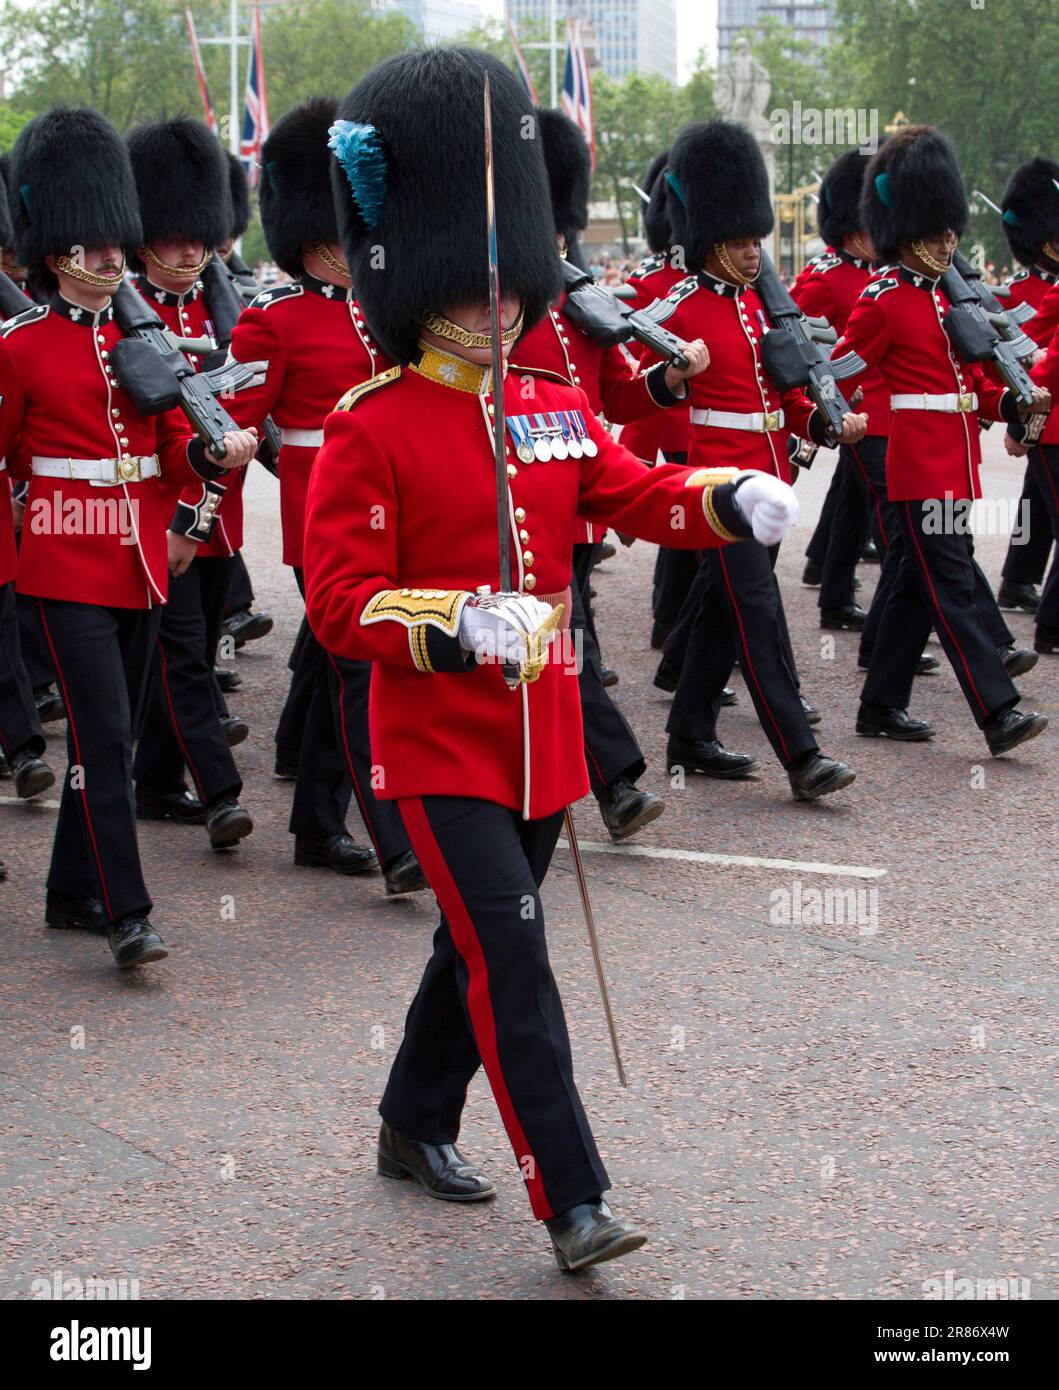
point(404, 568)
point(1030, 218)
point(720, 208)
point(68, 424)
point(185, 207)
point(914, 207)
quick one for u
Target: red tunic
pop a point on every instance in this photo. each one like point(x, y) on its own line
point(404, 494)
point(828, 287)
point(317, 345)
point(896, 326)
point(1039, 288)
point(725, 317)
point(652, 279)
point(80, 541)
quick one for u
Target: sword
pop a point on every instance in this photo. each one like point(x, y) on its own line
point(504, 536)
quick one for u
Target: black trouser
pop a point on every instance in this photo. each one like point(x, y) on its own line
point(101, 658)
point(849, 526)
point(35, 655)
point(1025, 562)
point(1044, 466)
point(675, 572)
point(741, 616)
point(240, 591)
point(816, 550)
point(488, 998)
point(20, 729)
point(611, 749)
point(938, 586)
point(335, 758)
point(181, 726)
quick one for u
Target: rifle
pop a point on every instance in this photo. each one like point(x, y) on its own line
point(793, 350)
point(152, 368)
point(982, 330)
point(597, 313)
point(12, 300)
point(225, 304)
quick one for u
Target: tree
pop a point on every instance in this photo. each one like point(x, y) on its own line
point(983, 72)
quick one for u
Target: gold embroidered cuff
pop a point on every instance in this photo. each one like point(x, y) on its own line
point(708, 479)
point(417, 610)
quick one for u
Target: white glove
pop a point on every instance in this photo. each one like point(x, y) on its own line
point(497, 631)
point(769, 507)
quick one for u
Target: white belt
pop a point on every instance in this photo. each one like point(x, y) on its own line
point(951, 404)
point(731, 420)
point(302, 439)
point(3, 464)
point(112, 471)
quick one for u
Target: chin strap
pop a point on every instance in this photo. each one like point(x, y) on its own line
point(928, 260)
point(453, 333)
point(147, 254)
point(333, 264)
point(89, 277)
point(720, 250)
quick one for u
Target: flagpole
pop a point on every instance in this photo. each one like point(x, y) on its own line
point(554, 57)
point(233, 76)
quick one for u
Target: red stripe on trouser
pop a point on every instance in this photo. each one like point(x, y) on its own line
point(77, 754)
point(176, 727)
point(878, 504)
point(479, 1001)
point(349, 759)
point(595, 764)
point(941, 615)
point(746, 652)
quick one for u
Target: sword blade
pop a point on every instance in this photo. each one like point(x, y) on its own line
point(593, 941)
point(502, 520)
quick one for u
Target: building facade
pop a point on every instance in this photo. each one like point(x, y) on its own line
point(810, 19)
point(627, 35)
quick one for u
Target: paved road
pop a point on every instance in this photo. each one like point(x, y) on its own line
point(821, 1108)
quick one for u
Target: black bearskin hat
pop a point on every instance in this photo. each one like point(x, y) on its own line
point(240, 194)
point(1031, 209)
point(718, 188)
point(569, 164)
point(409, 180)
point(7, 235)
point(182, 178)
point(838, 212)
point(656, 226)
point(71, 185)
point(295, 196)
point(912, 189)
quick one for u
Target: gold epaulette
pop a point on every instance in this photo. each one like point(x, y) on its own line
point(708, 479)
point(354, 394)
point(416, 610)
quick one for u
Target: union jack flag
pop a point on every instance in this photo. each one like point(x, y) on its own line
point(255, 108)
point(577, 87)
point(520, 59)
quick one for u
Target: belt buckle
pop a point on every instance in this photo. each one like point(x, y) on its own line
point(963, 402)
point(772, 421)
point(128, 470)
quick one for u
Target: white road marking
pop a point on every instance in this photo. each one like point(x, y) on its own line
point(33, 801)
point(740, 861)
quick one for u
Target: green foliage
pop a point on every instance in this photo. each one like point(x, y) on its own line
point(984, 71)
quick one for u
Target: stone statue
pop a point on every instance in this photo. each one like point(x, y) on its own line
point(742, 89)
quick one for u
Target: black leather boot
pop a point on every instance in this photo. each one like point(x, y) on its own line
point(590, 1233)
point(439, 1169)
